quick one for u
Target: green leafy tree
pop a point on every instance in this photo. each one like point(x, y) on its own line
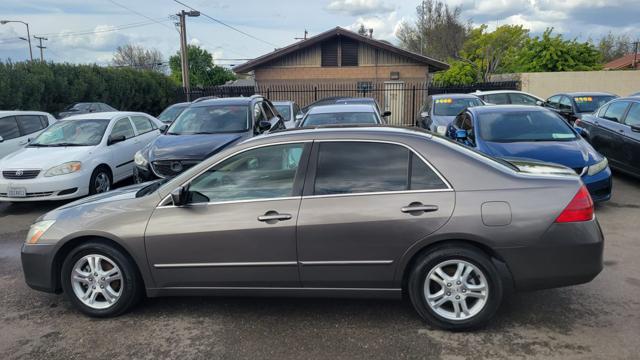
point(459, 73)
point(202, 71)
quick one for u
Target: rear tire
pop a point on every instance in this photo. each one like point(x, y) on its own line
point(100, 280)
point(455, 287)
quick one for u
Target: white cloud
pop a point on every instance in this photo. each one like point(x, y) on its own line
point(384, 27)
point(358, 7)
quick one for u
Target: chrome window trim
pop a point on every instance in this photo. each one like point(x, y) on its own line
point(400, 192)
point(347, 262)
point(225, 264)
point(276, 288)
point(229, 202)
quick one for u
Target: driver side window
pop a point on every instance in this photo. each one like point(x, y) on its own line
point(123, 127)
point(258, 115)
point(262, 173)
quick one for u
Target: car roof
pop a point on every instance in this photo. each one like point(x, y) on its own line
point(454, 96)
point(628, 98)
point(341, 108)
point(21, 112)
point(225, 101)
point(505, 109)
point(585, 93)
point(492, 92)
point(107, 115)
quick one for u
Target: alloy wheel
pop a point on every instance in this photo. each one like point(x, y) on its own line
point(102, 183)
point(96, 281)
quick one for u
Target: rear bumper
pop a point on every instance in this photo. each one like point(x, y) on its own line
point(37, 266)
point(568, 254)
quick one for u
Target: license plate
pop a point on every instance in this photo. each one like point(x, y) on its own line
point(17, 192)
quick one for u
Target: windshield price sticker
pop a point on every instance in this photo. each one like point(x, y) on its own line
point(584, 99)
point(444, 101)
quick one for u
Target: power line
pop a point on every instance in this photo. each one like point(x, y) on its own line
point(140, 14)
point(225, 24)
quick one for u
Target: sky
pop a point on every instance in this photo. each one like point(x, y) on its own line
point(89, 31)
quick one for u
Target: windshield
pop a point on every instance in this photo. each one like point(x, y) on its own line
point(72, 133)
point(453, 107)
point(523, 126)
point(285, 111)
point(79, 107)
point(171, 113)
point(589, 104)
point(211, 120)
point(340, 118)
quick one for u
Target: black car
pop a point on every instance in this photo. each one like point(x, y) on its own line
point(573, 105)
point(172, 112)
point(614, 130)
point(440, 110)
point(85, 108)
point(204, 129)
point(347, 100)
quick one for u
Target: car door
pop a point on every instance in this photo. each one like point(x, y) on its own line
point(122, 152)
point(10, 137)
point(566, 109)
point(609, 138)
point(239, 229)
point(631, 152)
point(364, 204)
point(145, 129)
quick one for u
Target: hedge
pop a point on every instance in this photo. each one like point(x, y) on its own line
point(51, 87)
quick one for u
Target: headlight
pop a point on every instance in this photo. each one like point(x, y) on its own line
point(596, 168)
point(37, 230)
point(63, 169)
point(441, 130)
point(140, 159)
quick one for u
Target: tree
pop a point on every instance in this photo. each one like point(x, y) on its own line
point(612, 47)
point(438, 31)
point(459, 73)
point(137, 57)
point(202, 70)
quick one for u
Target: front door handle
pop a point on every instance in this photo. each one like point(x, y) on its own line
point(417, 207)
point(272, 217)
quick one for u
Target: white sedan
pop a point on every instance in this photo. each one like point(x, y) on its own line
point(80, 155)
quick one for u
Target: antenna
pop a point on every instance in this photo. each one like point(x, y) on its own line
point(305, 36)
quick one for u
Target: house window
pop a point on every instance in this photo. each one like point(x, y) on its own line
point(330, 53)
point(339, 52)
point(349, 52)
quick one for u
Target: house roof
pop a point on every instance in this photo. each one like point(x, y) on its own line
point(338, 31)
point(623, 62)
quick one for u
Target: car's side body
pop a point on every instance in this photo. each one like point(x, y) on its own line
point(508, 97)
point(570, 105)
point(614, 130)
point(437, 123)
point(117, 157)
point(17, 128)
point(346, 244)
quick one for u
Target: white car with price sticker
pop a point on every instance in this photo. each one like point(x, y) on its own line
point(80, 155)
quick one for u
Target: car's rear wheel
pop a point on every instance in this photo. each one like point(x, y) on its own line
point(101, 181)
point(455, 287)
point(100, 280)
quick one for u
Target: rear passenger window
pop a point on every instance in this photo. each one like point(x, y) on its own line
point(615, 111)
point(633, 117)
point(9, 128)
point(29, 123)
point(363, 167)
point(142, 124)
point(498, 99)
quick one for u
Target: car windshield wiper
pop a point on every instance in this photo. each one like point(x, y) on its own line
point(38, 145)
point(67, 144)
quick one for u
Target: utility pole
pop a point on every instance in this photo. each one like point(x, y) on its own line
point(40, 38)
point(635, 54)
point(184, 56)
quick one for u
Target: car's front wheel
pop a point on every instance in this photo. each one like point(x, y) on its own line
point(100, 181)
point(455, 287)
point(100, 280)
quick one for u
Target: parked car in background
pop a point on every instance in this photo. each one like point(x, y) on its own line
point(17, 128)
point(77, 156)
point(440, 110)
point(534, 133)
point(346, 101)
point(505, 97)
point(85, 108)
point(366, 212)
point(572, 106)
point(203, 129)
point(172, 112)
point(290, 112)
point(635, 94)
point(614, 130)
point(331, 115)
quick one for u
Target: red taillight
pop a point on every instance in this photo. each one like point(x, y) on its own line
point(579, 209)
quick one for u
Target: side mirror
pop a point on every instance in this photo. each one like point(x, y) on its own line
point(180, 196)
point(116, 139)
point(163, 128)
point(386, 113)
point(461, 134)
point(264, 125)
point(1, 139)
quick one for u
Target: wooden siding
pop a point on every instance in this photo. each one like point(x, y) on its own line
point(306, 57)
point(367, 57)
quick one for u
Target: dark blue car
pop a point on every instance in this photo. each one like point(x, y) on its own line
point(530, 132)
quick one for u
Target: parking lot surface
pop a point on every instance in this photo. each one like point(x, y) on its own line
point(597, 320)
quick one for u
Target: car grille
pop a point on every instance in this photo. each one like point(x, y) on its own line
point(20, 174)
point(579, 170)
point(31, 195)
point(170, 168)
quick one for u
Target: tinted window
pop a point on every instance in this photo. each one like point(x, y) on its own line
point(615, 111)
point(589, 104)
point(266, 172)
point(285, 111)
point(565, 104)
point(522, 99)
point(633, 117)
point(498, 99)
point(422, 177)
point(453, 107)
point(29, 123)
point(523, 126)
point(211, 119)
point(268, 112)
point(9, 128)
point(171, 113)
point(142, 124)
point(123, 127)
point(340, 118)
point(554, 102)
point(602, 111)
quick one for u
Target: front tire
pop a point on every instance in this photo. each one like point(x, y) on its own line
point(455, 287)
point(101, 181)
point(100, 280)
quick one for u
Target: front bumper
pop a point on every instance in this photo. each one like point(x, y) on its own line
point(143, 174)
point(42, 188)
point(567, 254)
point(599, 185)
point(37, 266)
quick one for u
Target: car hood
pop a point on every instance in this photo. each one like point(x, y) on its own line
point(573, 154)
point(124, 193)
point(45, 157)
point(190, 147)
point(439, 120)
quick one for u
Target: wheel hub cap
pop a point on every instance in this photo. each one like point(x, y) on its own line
point(96, 281)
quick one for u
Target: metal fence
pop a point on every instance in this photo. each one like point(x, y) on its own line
point(402, 99)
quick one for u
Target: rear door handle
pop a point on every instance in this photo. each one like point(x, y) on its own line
point(418, 207)
point(273, 217)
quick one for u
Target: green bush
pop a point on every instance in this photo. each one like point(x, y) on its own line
point(51, 87)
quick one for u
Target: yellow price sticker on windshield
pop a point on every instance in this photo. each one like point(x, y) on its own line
point(583, 99)
point(444, 101)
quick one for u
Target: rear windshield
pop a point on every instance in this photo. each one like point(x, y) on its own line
point(211, 120)
point(340, 118)
point(453, 107)
point(589, 104)
point(171, 113)
point(523, 126)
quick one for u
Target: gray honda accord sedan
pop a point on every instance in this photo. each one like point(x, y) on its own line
point(373, 212)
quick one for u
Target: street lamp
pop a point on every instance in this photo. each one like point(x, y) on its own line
point(28, 39)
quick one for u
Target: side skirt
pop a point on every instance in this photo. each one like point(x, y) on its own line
point(277, 292)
